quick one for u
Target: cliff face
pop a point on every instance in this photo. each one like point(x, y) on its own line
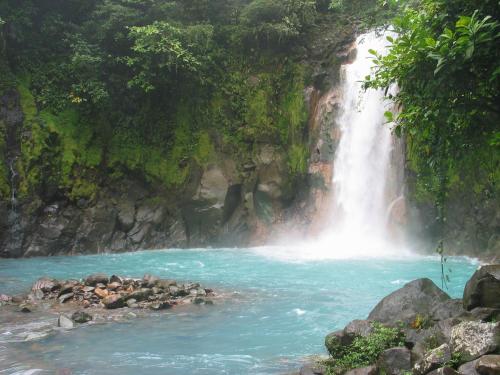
point(62, 192)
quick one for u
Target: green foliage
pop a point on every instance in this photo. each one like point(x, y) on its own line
point(161, 50)
point(270, 23)
point(446, 63)
point(364, 351)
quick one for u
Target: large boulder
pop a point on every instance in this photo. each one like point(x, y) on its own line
point(416, 298)
point(395, 361)
point(483, 288)
point(488, 365)
point(432, 360)
point(474, 339)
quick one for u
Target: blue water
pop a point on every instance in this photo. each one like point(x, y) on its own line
point(276, 312)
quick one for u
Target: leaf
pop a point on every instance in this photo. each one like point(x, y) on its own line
point(469, 51)
point(389, 116)
point(372, 52)
point(390, 39)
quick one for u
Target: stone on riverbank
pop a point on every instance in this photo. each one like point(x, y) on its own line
point(474, 339)
point(64, 322)
point(488, 365)
point(483, 288)
point(440, 336)
point(416, 298)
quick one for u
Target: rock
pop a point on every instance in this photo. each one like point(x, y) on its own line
point(65, 297)
point(36, 295)
point(100, 286)
point(45, 285)
point(88, 289)
point(395, 361)
point(25, 308)
point(444, 371)
point(432, 360)
point(5, 298)
point(483, 288)
point(474, 339)
point(468, 368)
point(370, 370)
point(162, 305)
point(132, 303)
point(114, 286)
point(97, 278)
point(65, 322)
point(116, 279)
point(141, 295)
point(101, 293)
point(415, 298)
point(336, 341)
point(126, 216)
point(312, 369)
point(67, 287)
point(81, 317)
point(113, 301)
point(484, 314)
point(488, 365)
point(447, 309)
point(150, 280)
point(178, 292)
point(359, 327)
point(165, 284)
point(198, 301)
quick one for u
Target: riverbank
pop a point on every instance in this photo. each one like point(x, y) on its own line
point(419, 330)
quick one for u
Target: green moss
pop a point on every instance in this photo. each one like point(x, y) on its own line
point(4, 171)
point(28, 104)
point(297, 159)
point(205, 151)
point(364, 351)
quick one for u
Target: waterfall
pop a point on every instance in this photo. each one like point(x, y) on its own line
point(362, 165)
point(367, 183)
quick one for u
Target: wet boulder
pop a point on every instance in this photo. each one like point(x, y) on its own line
point(483, 288)
point(336, 341)
point(98, 278)
point(65, 297)
point(141, 295)
point(64, 322)
point(474, 339)
point(114, 301)
point(81, 317)
point(417, 298)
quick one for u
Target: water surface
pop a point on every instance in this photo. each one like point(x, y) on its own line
point(278, 312)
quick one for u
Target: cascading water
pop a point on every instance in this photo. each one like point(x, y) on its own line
point(367, 180)
point(362, 166)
